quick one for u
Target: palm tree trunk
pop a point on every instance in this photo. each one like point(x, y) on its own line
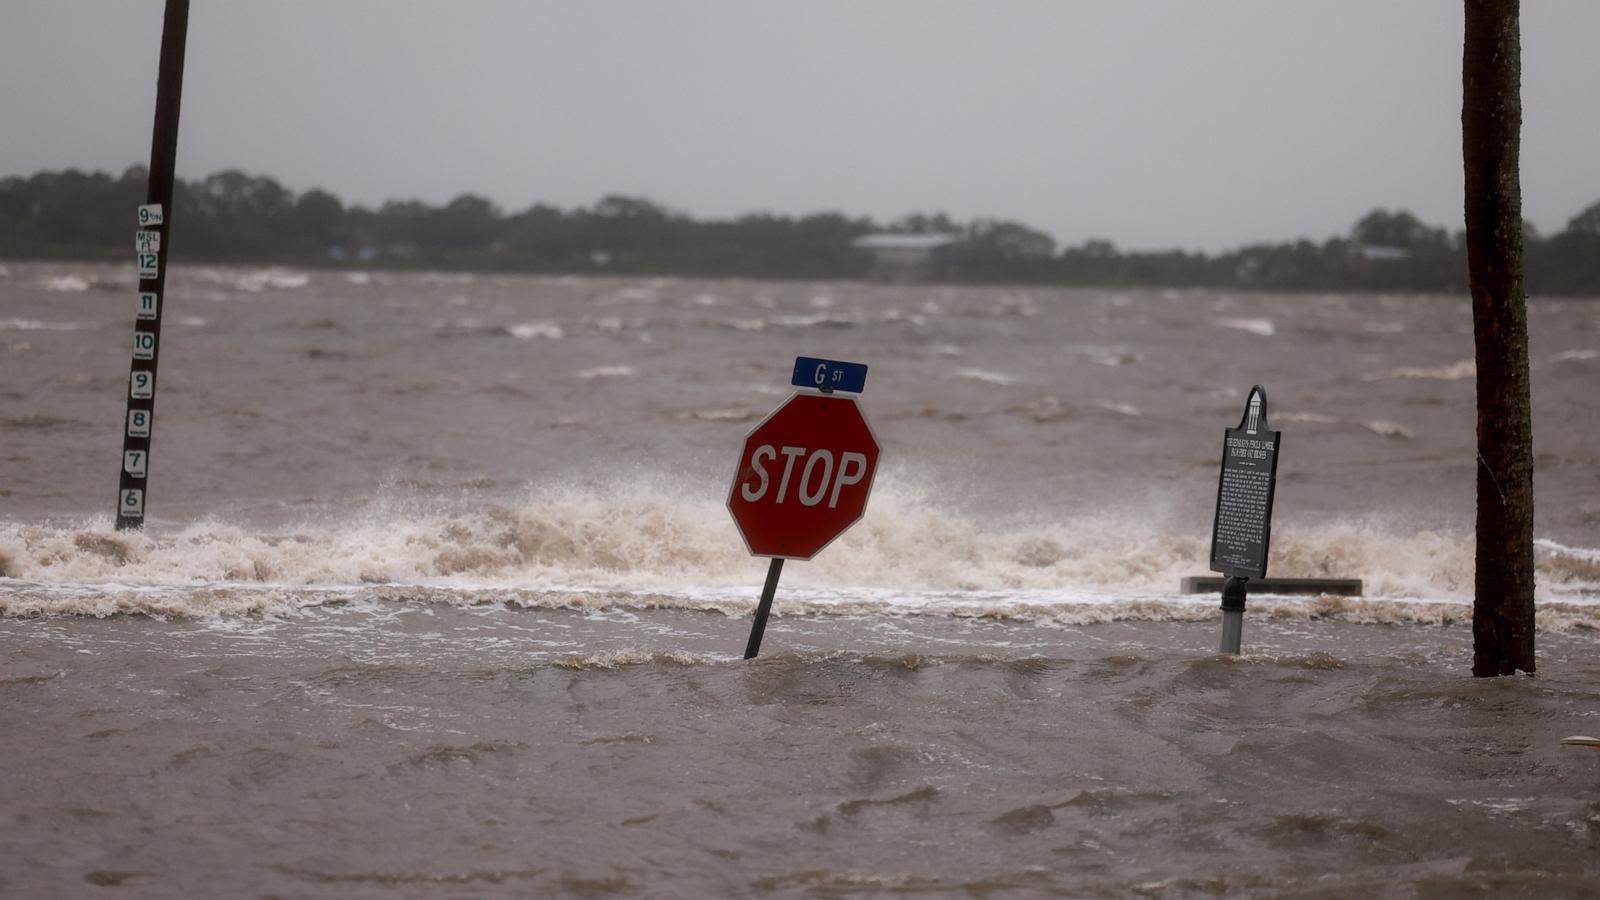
point(1491, 124)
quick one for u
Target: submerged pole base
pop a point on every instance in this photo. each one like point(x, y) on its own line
point(1232, 631)
point(1233, 597)
point(764, 609)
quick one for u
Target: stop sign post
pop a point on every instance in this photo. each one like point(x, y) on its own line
point(804, 476)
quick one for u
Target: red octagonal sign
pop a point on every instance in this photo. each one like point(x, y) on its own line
point(804, 476)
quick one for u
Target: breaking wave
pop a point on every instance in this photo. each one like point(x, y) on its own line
point(647, 546)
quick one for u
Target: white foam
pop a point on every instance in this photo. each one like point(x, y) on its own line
point(66, 284)
point(1388, 429)
point(37, 325)
point(1583, 553)
point(721, 415)
point(1124, 409)
point(1262, 327)
point(1309, 418)
point(1456, 371)
point(895, 314)
point(541, 329)
point(258, 280)
point(607, 372)
point(988, 376)
point(1575, 356)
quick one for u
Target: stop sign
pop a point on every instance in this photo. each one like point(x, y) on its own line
point(804, 476)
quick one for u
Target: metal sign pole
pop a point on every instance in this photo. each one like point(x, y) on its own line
point(153, 243)
point(1233, 597)
point(764, 609)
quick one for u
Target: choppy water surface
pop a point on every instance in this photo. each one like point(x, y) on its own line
point(439, 598)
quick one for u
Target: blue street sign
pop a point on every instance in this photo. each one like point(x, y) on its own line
point(829, 375)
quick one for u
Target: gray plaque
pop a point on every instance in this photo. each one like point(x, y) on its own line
point(1242, 529)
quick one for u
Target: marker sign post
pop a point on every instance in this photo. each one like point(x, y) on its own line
point(1242, 529)
point(804, 476)
point(151, 241)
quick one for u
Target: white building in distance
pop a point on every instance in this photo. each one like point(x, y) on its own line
point(905, 257)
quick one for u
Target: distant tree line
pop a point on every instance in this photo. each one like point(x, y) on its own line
point(232, 216)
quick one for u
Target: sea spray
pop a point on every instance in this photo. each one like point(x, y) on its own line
point(635, 540)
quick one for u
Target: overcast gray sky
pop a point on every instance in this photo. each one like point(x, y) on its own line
point(1155, 123)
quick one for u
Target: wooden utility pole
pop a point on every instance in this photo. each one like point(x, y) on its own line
point(1491, 125)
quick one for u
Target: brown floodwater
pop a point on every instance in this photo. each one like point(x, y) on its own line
point(438, 597)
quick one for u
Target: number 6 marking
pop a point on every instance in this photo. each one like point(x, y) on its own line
point(133, 503)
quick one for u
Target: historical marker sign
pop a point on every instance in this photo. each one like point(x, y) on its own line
point(1242, 530)
point(804, 475)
